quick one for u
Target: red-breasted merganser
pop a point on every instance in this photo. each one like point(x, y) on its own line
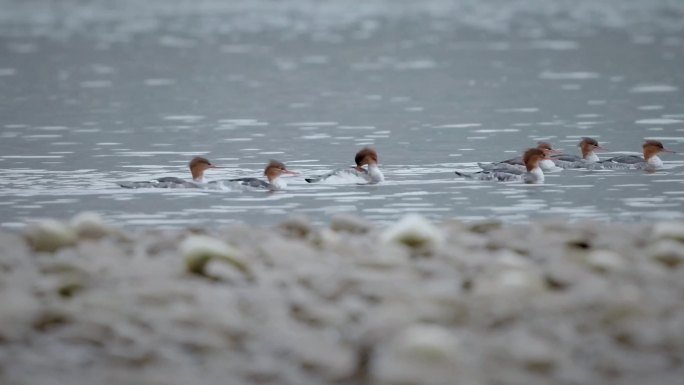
point(365, 157)
point(198, 165)
point(545, 164)
point(650, 160)
point(273, 172)
point(588, 148)
point(531, 174)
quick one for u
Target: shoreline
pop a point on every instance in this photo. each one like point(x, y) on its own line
point(348, 303)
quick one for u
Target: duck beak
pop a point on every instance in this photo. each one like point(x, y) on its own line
point(668, 151)
point(214, 166)
point(290, 173)
point(554, 151)
point(599, 148)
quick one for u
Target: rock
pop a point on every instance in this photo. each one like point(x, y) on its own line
point(385, 260)
point(483, 227)
point(89, 225)
point(327, 237)
point(525, 351)
point(420, 354)
point(667, 251)
point(415, 232)
point(569, 269)
point(339, 306)
point(535, 355)
point(199, 250)
point(605, 261)
point(323, 355)
point(669, 230)
point(350, 224)
point(283, 253)
point(517, 281)
point(50, 235)
point(18, 311)
point(69, 275)
point(621, 303)
point(509, 275)
point(505, 290)
point(14, 252)
point(296, 227)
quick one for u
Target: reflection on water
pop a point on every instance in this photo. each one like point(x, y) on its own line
point(110, 96)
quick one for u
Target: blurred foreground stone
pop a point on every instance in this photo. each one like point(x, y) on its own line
point(414, 303)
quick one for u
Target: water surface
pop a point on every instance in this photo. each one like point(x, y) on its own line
point(96, 93)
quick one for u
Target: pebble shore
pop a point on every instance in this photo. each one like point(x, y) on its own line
point(83, 302)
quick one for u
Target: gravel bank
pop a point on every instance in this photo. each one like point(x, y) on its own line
point(415, 303)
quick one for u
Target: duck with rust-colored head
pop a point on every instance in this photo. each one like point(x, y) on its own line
point(588, 148)
point(532, 173)
point(649, 161)
point(518, 163)
point(198, 165)
point(274, 172)
point(366, 170)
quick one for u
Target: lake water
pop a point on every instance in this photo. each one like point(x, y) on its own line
point(95, 92)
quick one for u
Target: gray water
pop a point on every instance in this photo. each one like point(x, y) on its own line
point(96, 92)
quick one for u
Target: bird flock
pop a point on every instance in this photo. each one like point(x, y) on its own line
point(528, 168)
point(531, 166)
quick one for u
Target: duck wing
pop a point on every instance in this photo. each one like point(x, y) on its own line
point(514, 162)
point(507, 174)
point(341, 172)
point(566, 158)
point(165, 182)
point(627, 159)
point(501, 167)
point(251, 182)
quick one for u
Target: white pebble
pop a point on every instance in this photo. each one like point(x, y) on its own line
point(50, 235)
point(416, 232)
point(421, 354)
point(19, 310)
point(350, 223)
point(605, 261)
point(327, 237)
point(526, 350)
point(296, 227)
point(671, 230)
point(199, 250)
point(89, 225)
point(668, 252)
point(509, 275)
